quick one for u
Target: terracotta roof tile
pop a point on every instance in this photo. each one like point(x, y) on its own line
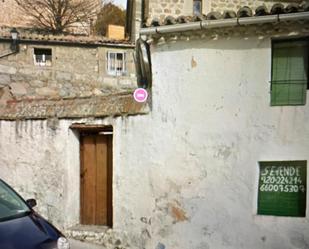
point(31, 35)
point(242, 12)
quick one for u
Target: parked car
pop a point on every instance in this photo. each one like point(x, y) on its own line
point(23, 228)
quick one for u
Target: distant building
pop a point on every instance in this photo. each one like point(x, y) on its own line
point(115, 32)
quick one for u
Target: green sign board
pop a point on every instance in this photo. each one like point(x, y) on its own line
point(282, 188)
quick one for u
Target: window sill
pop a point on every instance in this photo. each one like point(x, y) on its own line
point(117, 75)
point(282, 105)
point(42, 65)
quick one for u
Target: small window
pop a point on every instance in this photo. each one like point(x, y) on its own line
point(116, 63)
point(42, 56)
point(282, 188)
point(289, 80)
point(197, 7)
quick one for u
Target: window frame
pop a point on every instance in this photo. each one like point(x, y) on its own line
point(283, 40)
point(113, 71)
point(45, 62)
point(201, 7)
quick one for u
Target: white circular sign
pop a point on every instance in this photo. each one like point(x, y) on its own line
point(140, 95)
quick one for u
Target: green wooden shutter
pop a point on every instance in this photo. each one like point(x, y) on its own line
point(289, 73)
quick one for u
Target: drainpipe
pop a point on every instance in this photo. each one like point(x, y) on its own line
point(208, 24)
point(143, 13)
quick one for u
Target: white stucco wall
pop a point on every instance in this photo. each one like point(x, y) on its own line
point(191, 167)
point(35, 161)
point(185, 176)
point(41, 159)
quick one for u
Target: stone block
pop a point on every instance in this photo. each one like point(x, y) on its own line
point(5, 79)
point(97, 92)
point(7, 69)
point(27, 71)
point(81, 77)
point(37, 83)
point(18, 89)
point(126, 82)
point(46, 91)
point(110, 81)
point(20, 78)
point(63, 76)
point(43, 74)
point(64, 92)
point(5, 95)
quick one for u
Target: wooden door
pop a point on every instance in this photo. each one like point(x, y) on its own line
point(96, 179)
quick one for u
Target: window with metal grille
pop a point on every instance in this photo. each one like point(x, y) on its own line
point(197, 7)
point(289, 80)
point(116, 63)
point(42, 56)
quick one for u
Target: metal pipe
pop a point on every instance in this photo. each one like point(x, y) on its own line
point(258, 20)
point(294, 16)
point(207, 24)
point(179, 27)
point(171, 28)
point(219, 23)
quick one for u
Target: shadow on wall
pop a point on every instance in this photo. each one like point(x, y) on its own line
point(216, 42)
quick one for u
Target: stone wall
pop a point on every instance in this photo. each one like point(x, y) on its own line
point(75, 72)
point(222, 5)
point(164, 8)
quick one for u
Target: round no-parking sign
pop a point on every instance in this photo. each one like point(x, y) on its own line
point(140, 95)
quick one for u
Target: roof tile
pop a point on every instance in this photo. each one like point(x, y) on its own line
point(243, 12)
point(32, 35)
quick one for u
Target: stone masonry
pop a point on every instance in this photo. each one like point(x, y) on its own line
point(161, 9)
point(67, 77)
point(222, 5)
point(76, 77)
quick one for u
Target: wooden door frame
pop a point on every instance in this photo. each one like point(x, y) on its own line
point(84, 129)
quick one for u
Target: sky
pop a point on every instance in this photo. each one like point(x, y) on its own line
point(122, 3)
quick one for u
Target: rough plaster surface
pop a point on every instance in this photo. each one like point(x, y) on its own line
point(185, 175)
point(197, 164)
point(111, 105)
point(40, 158)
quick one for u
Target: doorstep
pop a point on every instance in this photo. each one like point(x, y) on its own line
point(76, 244)
point(88, 233)
point(99, 235)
